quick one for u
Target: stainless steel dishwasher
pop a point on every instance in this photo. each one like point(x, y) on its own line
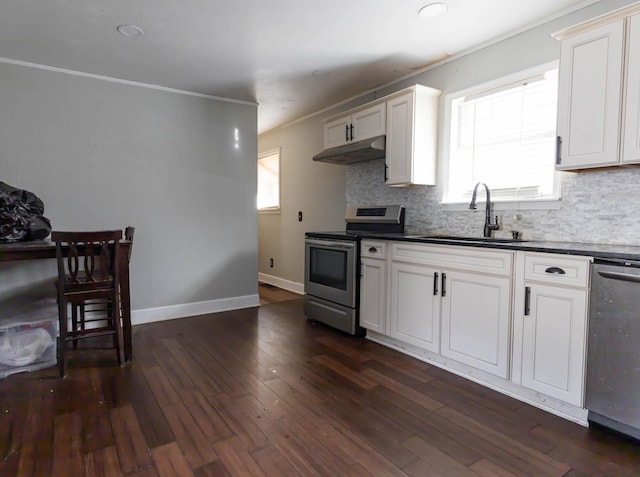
point(613, 358)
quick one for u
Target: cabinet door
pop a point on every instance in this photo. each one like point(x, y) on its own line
point(554, 337)
point(589, 97)
point(476, 312)
point(373, 291)
point(399, 150)
point(631, 129)
point(414, 308)
point(337, 132)
point(370, 122)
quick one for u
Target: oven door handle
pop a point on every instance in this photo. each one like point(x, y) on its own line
point(333, 245)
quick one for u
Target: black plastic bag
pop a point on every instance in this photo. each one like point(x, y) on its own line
point(21, 215)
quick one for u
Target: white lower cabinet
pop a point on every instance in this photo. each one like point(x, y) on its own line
point(551, 310)
point(553, 345)
point(373, 285)
point(476, 316)
point(519, 317)
point(414, 308)
point(373, 291)
point(455, 301)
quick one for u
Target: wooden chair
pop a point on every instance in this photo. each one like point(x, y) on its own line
point(94, 310)
point(88, 271)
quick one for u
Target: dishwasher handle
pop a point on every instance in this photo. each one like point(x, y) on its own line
point(627, 277)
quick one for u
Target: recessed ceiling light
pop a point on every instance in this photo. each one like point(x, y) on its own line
point(432, 10)
point(131, 31)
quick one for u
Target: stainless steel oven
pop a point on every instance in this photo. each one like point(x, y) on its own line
point(330, 269)
point(330, 282)
point(332, 265)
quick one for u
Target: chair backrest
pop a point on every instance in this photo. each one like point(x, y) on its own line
point(129, 232)
point(87, 260)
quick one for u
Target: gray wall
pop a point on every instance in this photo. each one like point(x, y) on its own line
point(316, 189)
point(105, 155)
point(596, 206)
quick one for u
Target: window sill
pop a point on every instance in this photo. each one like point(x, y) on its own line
point(269, 211)
point(546, 204)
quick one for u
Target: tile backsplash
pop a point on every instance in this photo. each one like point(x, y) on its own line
point(597, 207)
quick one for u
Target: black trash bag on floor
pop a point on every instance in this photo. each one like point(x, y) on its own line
point(21, 215)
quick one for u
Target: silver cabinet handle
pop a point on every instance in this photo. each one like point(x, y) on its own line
point(527, 301)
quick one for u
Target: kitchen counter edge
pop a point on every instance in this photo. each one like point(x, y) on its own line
point(621, 252)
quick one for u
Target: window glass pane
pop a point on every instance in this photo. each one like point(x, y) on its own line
point(269, 181)
point(505, 136)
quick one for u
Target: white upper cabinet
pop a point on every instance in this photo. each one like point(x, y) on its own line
point(589, 96)
point(358, 125)
point(599, 92)
point(337, 132)
point(412, 129)
point(409, 119)
point(631, 142)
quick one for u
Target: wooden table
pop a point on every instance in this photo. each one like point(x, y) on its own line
point(43, 249)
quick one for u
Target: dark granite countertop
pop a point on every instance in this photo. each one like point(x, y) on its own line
point(624, 252)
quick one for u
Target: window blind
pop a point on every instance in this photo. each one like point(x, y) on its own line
point(505, 137)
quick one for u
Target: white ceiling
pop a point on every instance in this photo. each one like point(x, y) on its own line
point(259, 50)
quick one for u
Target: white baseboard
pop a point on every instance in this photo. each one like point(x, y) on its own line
point(294, 287)
point(150, 315)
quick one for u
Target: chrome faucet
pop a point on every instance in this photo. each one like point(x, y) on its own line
point(488, 226)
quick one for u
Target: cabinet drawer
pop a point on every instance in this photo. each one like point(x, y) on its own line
point(373, 249)
point(484, 260)
point(557, 269)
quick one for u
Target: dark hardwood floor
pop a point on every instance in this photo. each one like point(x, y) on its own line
point(272, 294)
point(264, 392)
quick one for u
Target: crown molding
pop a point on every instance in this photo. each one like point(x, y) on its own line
point(615, 15)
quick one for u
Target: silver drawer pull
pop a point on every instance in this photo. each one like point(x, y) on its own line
point(555, 271)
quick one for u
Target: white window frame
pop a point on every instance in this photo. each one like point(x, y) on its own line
point(262, 155)
point(523, 204)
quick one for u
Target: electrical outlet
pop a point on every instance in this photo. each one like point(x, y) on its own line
point(271, 262)
point(299, 216)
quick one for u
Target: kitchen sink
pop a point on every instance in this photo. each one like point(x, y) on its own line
point(458, 238)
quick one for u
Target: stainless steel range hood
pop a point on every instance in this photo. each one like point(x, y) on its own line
point(365, 150)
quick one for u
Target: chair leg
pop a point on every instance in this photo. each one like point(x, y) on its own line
point(118, 326)
point(62, 339)
point(112, 323)
point(74, 322)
